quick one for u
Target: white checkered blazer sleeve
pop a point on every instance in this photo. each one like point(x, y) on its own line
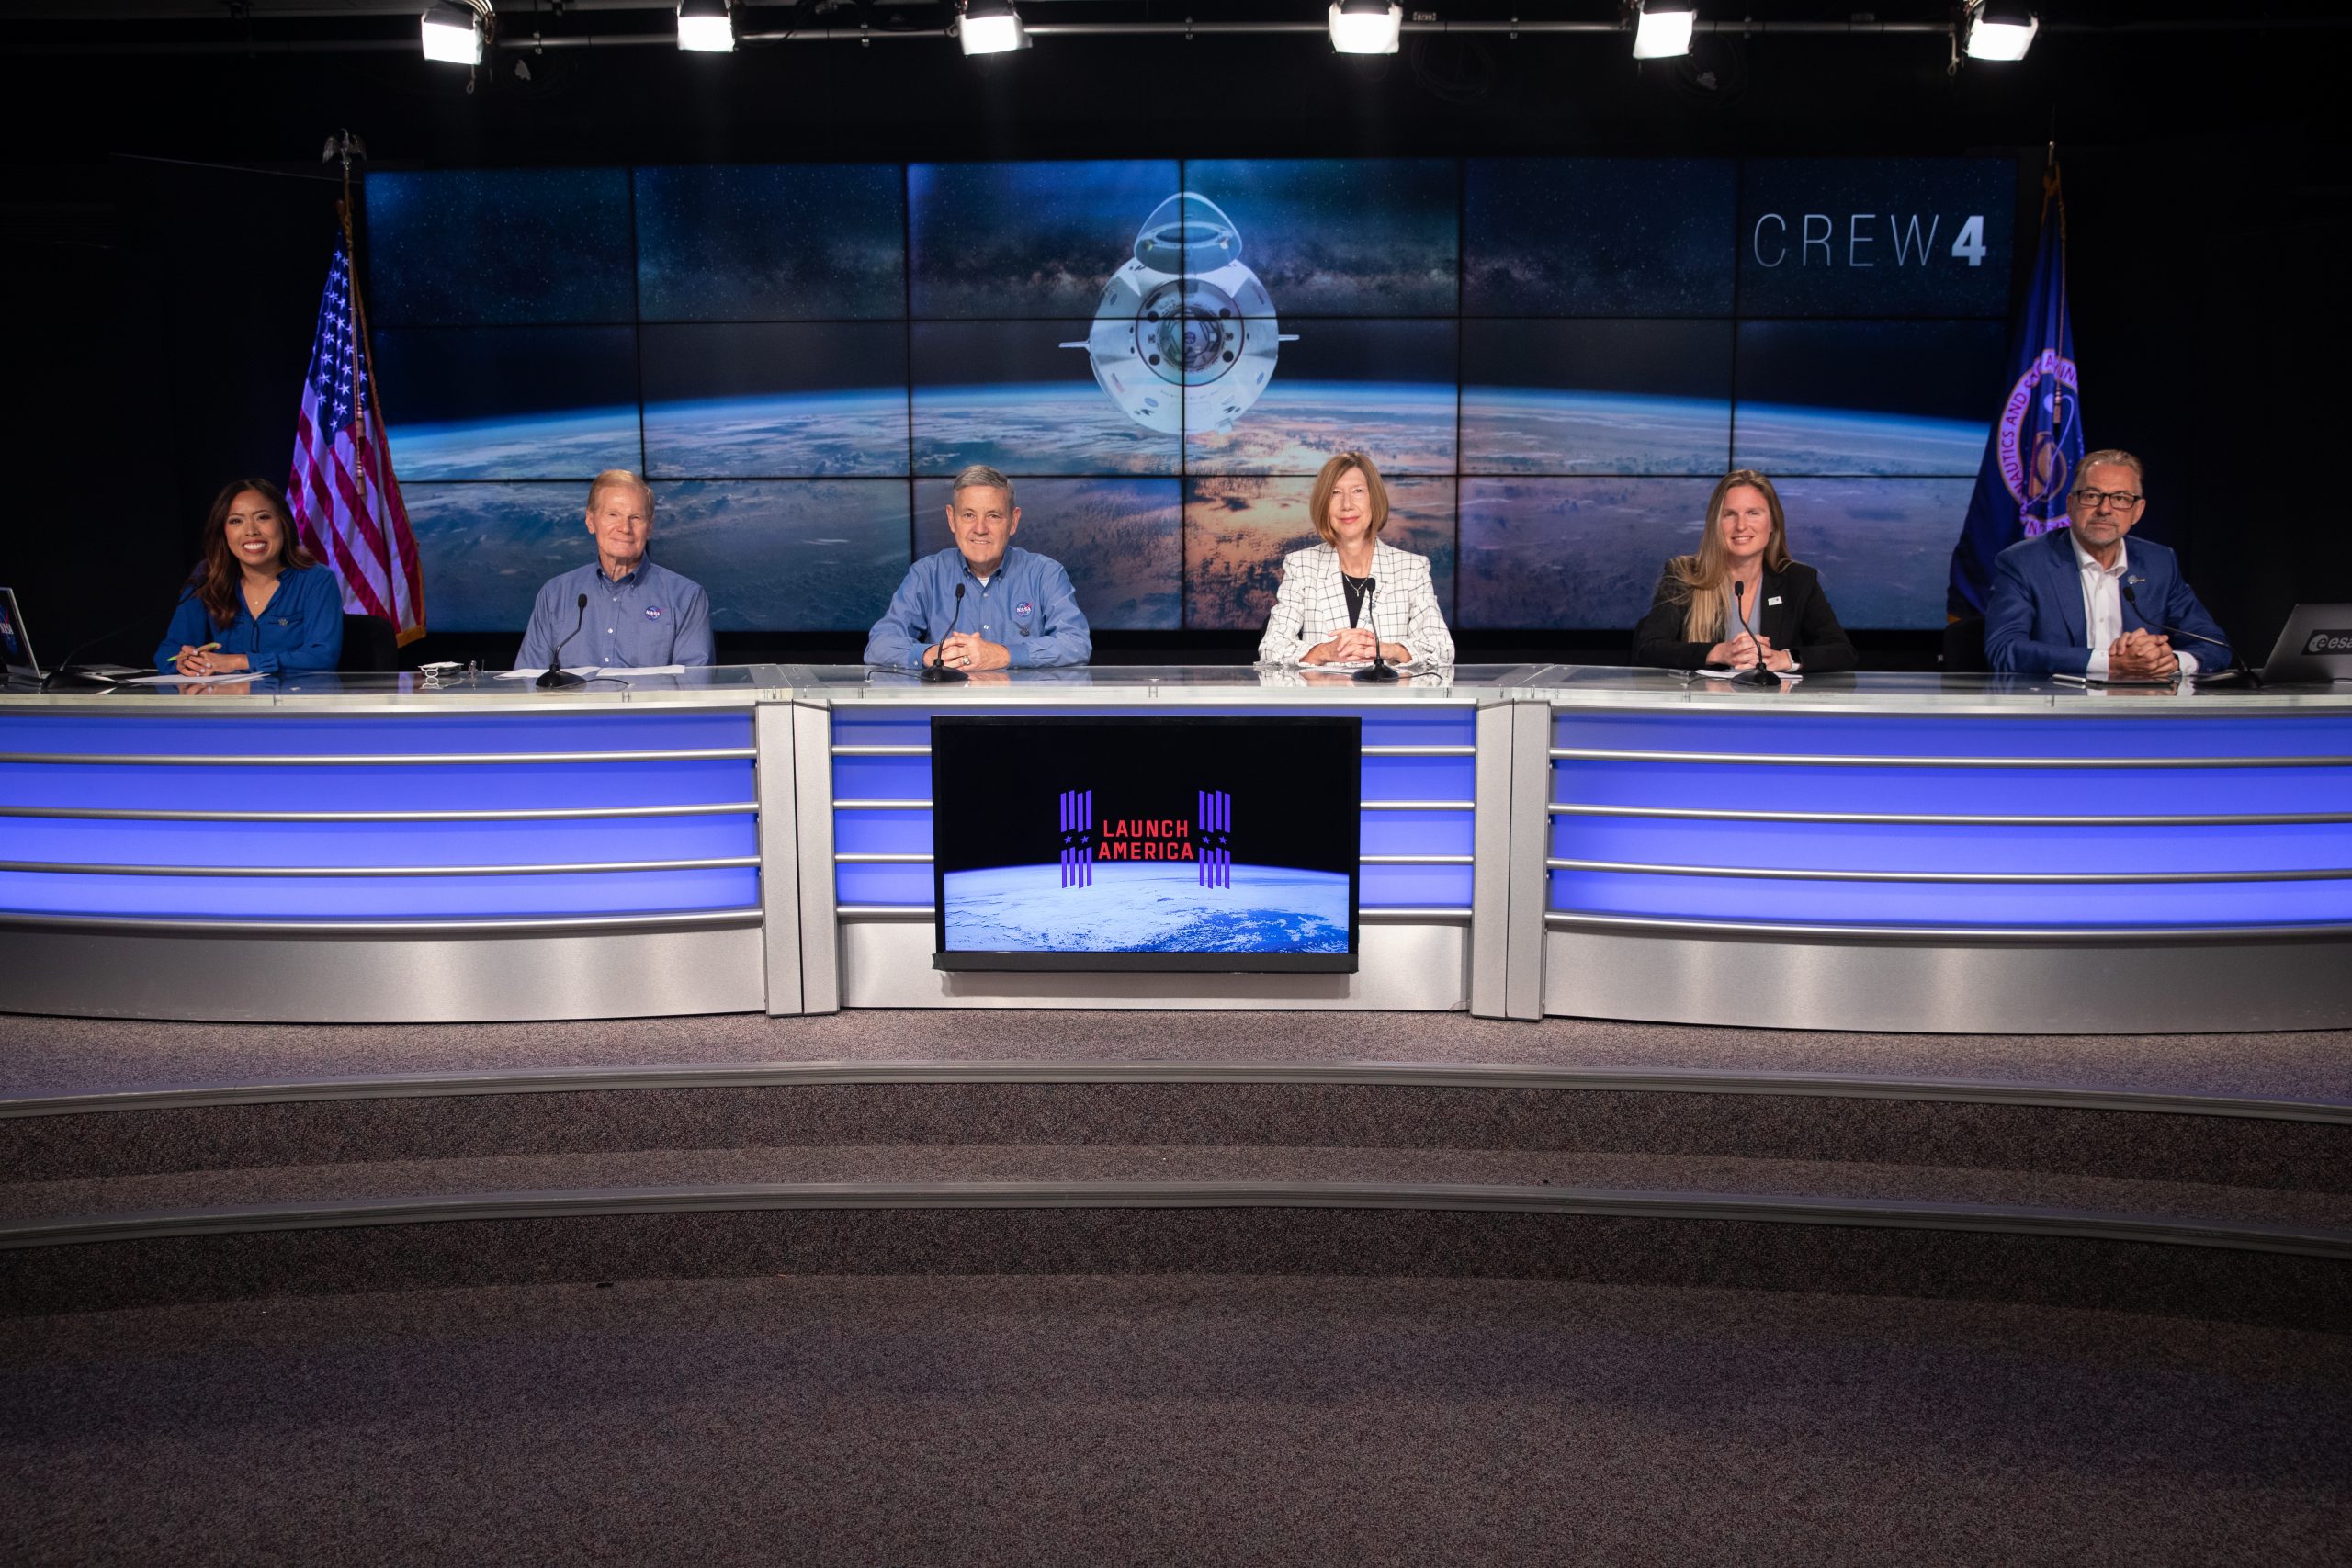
point(1312, 604)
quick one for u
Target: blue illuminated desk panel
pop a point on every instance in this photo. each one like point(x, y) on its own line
point(1874, 853)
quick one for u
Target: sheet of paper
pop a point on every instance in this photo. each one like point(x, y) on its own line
point(614, 670)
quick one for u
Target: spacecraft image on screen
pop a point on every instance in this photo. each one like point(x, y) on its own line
point(1186, 337)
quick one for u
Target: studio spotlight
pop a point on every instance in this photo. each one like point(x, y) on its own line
point(2000, 29)
point(453, 33)
point(1663, 28)
point(707, 25)
point(992, 26)
point(1366, 27)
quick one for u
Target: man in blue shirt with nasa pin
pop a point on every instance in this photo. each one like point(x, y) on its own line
point(1016, 609)
point(620, 611)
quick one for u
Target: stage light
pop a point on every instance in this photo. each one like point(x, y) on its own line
point(992, 26)
point(1663, 28)
point(1366, 27)
point(707, 25)
point(452, 33)
point(2000, 29)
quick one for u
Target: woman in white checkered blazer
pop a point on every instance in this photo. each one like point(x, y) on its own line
point(1334, 593)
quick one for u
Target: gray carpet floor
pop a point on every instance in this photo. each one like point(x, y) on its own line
point(1089, 1421)
point(60, 1055)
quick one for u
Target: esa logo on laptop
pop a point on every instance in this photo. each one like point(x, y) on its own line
point(2329, 642)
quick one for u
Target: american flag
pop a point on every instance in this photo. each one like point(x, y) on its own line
point(345, 500)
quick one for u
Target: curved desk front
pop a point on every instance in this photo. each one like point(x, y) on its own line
point(1880, 852)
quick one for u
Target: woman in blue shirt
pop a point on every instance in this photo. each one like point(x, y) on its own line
point(258, 596)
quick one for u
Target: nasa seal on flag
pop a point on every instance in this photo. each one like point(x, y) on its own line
point(2036, 433)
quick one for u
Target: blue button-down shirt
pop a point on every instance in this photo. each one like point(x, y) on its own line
point(299, 628)
point(1027, 605)
point(651, 616)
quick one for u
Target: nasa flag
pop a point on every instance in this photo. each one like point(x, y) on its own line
point(2036, 441)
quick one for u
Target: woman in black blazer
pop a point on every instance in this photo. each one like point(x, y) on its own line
point(1694, 618)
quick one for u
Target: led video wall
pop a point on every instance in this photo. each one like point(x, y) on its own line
point(1551, 360)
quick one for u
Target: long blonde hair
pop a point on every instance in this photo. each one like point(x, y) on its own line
point(1705, 578)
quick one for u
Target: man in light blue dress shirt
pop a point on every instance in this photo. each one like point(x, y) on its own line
point(639, 615)
point(1017, 612)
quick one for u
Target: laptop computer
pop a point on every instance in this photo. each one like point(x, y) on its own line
point(15, 643)
point(2314, 645)
point(22, 664)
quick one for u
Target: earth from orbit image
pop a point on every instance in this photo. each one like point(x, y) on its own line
point(1147, 906)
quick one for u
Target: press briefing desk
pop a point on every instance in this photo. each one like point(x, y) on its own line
point(1899, 853)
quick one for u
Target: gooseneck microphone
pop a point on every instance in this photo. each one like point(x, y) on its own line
point(2238, 666)
point(66, 671)
point(555, 676)
point(1760, 675)
point(1379, 668)
point(936, 671)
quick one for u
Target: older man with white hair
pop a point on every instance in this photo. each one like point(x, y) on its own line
point(620, 611)
point(980, 604)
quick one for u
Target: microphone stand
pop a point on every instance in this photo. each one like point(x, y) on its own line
point(1760, 675)
point(555, 677)
point(2238, 666)
point(1379, 668)
point(936, 672)
point(66, 671)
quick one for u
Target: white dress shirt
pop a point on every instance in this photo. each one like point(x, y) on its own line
point(2103, 607)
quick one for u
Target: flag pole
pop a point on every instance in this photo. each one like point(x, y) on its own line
point(342, 145)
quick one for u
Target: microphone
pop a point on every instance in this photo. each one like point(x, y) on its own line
point(66, 671)
point(2238, 665)
point(936, 672)
point(555, 676)
point(1379, 668)
point(1759, 676)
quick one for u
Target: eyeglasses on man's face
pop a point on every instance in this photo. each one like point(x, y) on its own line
point(2098, 499)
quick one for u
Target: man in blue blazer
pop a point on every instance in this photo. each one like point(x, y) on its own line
point(2076, 601)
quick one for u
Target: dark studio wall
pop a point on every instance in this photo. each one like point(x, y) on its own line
point(168, 226)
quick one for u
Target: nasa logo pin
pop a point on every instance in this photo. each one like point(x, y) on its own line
point(1021, 611)
point(653, 612)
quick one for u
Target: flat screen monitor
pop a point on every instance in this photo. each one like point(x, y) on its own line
point(1200, 843)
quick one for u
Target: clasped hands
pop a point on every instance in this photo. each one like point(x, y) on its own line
point(1353, 645)
point(968, 650)
point(208, 660)
point(1739, 653)
point(2142, 653)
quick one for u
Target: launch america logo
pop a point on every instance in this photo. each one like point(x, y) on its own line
point(1207, 839)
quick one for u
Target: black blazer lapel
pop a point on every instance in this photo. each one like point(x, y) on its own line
point(1772, 615)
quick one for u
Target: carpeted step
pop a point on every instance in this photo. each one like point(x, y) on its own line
point(2216, 1141)
point(51, 1056)
point(863, 1167)
point(2169, 1248)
